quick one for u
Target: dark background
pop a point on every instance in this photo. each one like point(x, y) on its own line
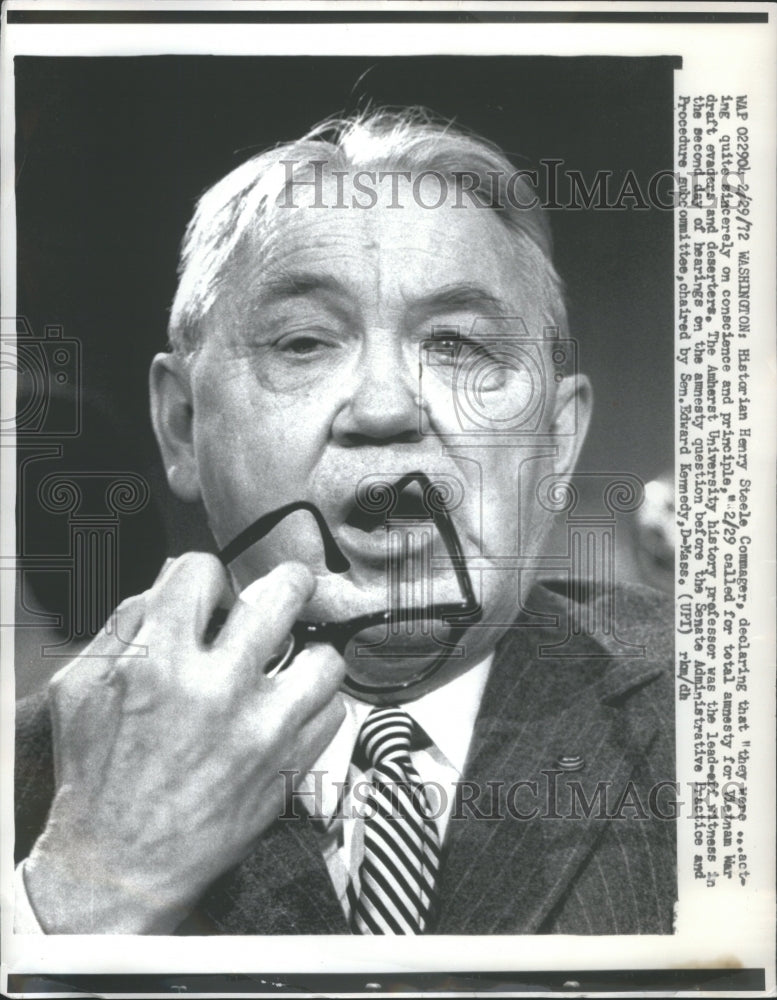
point(111, 154)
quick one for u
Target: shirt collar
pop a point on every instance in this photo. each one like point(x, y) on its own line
point(447, 714)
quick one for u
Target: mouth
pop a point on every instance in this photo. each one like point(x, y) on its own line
point(368, 513)
point(413, 501)
point(387, 521)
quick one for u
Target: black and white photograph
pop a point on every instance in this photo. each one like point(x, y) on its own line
point(380, 569)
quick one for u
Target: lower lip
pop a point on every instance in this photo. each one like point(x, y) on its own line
point(373, 547)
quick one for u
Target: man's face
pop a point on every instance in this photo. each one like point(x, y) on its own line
point(313, 380)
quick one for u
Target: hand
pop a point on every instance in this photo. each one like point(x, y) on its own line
point(167, 765)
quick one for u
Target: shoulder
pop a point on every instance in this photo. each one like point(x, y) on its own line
point(645, 616)
point(630, 613)
point(617, 643)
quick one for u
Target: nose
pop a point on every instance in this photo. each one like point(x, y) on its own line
point(382, 402)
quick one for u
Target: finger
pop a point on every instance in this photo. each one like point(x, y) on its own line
point(262, 617)
point(318, 732)
point(308, 684)
point(182, 601)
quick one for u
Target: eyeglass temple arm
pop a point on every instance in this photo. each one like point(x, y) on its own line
point(444, 523)
point(334, 557)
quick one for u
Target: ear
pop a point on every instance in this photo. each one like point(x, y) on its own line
point(172, 415)
point(571, 417)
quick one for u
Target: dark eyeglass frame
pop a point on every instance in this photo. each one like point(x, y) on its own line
point(457, 615)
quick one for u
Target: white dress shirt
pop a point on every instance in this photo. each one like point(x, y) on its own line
point(447, 716)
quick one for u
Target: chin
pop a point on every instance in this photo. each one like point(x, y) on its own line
point(403, 667)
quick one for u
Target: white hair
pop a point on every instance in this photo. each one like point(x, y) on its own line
point(246, 200)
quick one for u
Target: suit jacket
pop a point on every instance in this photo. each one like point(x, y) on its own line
point(565, 823)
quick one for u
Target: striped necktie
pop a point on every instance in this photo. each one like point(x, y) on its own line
point(401, 841)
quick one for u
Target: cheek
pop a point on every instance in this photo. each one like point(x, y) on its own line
point(254, 451)
point(514, 520)
point(503, 502)
point(515, 527)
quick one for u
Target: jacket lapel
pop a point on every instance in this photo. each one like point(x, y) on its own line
point(507, 867)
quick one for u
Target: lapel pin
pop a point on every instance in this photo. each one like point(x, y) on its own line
point(570, 762)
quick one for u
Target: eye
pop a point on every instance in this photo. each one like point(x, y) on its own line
point(443, 349)
point(441, 353)
point(301, 345)
point(454, 351)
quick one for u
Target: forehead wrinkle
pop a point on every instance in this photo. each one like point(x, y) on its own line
point(270, 273)
point(305, 256)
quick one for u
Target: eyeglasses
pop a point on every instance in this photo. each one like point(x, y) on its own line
point(458, 616)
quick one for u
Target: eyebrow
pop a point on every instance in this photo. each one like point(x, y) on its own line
point(460, 295)
point(464, 295)
point(297, 284)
